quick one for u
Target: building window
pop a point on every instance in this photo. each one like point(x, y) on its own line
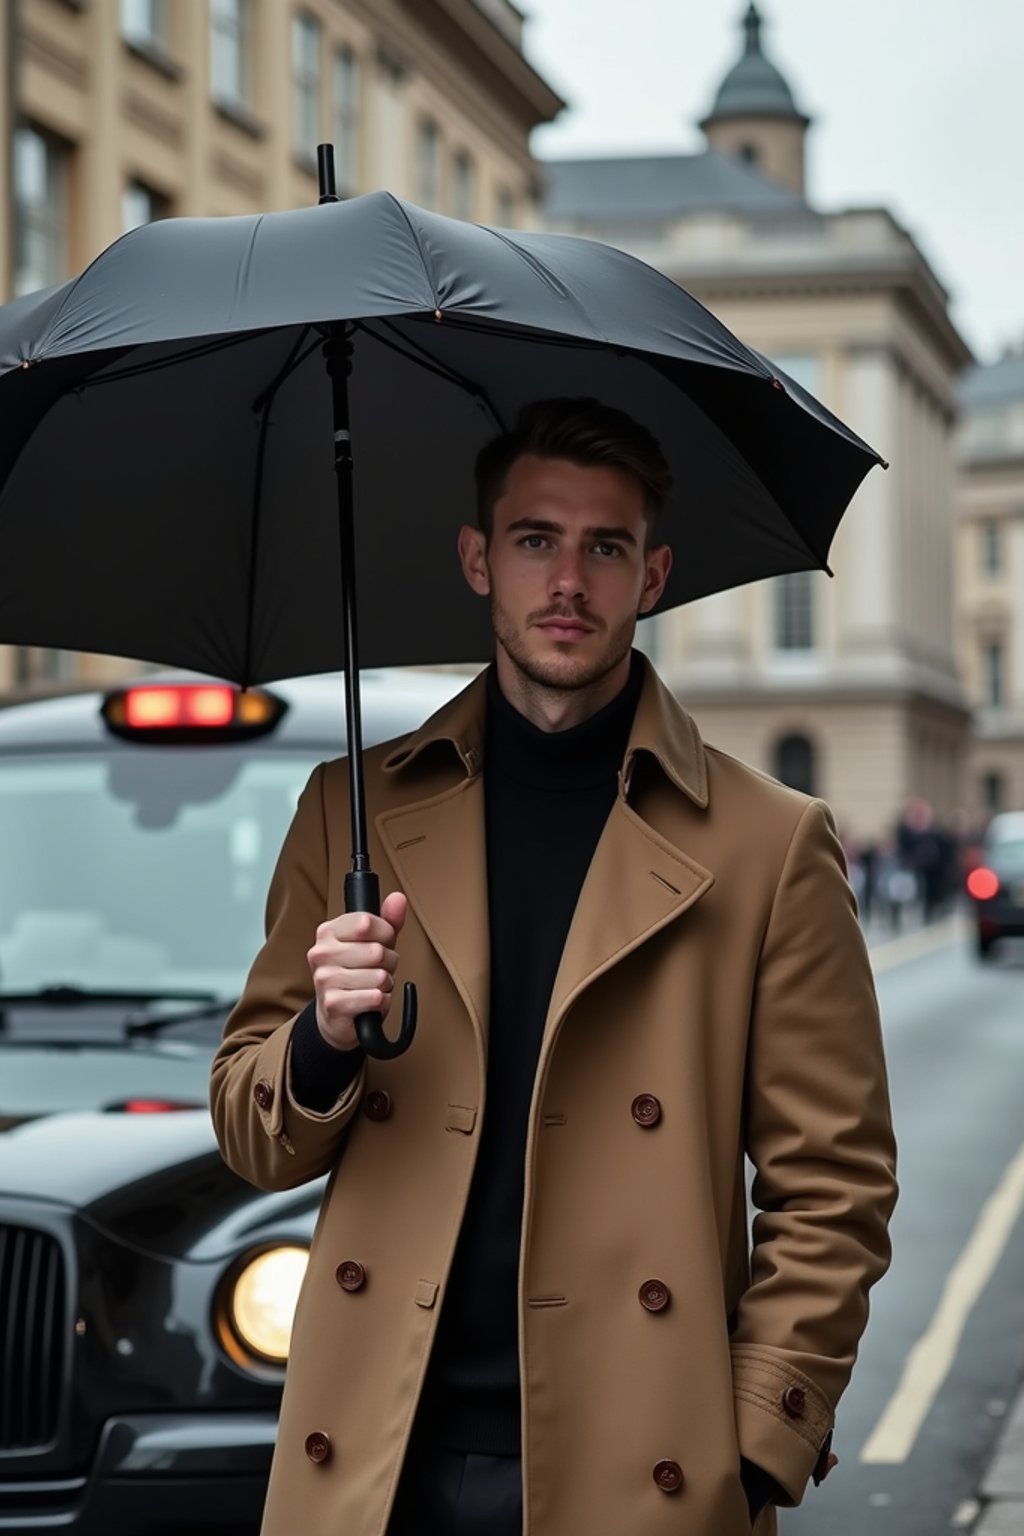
point(144, 21)
point(230, 50)
point(507, 208)
point(794, 612)
point(41, 210)
point(463, 186)
point(748, 153)
point(428, 164)
point(346, 119)
point(794, 763)
point(992, 673)
point(991, 547)
point(141, 205)
point(306, 83)
point(992, 791)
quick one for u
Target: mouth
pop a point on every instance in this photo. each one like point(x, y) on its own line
point(565, 629)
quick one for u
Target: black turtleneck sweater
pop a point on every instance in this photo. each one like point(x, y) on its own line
point(547, 795)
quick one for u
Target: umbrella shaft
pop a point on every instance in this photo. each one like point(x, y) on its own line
point(338, 354)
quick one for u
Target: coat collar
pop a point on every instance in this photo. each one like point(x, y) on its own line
point(662, 729)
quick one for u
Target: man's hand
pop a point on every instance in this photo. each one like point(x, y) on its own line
point(353, 966)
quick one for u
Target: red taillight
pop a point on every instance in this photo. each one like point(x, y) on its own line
point(153, 1106)
point(190, 712)
point(167, 708)
point(982, 884)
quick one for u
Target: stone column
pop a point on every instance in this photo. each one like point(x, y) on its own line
point(717, 642)
point(195, 48)
point(99, 175)
point(1014, 545)
point(272, 82)
point(871, 618)
point(8, 57)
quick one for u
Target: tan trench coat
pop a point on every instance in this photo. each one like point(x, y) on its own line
point(714, 998)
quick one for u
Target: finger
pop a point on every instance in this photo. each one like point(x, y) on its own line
point(330, 978)
point(357, 928)
point(395, 908)
point(337, 1004)
point(353, 957)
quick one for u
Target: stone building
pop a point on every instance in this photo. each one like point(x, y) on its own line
point(990, 566)
point(849, 687)
point(115, 112)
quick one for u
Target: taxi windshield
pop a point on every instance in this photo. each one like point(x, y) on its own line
point(140, 869)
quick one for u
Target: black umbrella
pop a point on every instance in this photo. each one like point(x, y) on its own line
point(177, 427)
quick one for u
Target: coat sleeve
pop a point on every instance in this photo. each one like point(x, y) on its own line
point(265, 1134)
point(819, 1134)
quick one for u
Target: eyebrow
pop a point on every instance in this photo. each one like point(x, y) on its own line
point(540, 525)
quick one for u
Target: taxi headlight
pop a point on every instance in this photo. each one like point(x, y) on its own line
point(261, 1301)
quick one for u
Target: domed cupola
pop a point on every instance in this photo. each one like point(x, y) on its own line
point(754, 116)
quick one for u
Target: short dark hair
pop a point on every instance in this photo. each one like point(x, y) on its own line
point(584, 431)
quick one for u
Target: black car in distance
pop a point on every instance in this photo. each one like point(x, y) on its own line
point(996, 886)
point(146, 1292)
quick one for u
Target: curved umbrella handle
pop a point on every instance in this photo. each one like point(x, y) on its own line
point(371, 1034)
point(362, 894)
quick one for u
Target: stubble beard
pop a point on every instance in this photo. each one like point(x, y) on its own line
point(560, 674)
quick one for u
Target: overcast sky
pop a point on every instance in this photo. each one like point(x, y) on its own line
point(918, 105)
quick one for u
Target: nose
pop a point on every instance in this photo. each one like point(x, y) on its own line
point(567, 579)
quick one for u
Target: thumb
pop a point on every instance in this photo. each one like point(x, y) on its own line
point(394, 908)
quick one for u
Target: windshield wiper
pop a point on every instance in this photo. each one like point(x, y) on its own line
point(160, 1021)
point(64, 996)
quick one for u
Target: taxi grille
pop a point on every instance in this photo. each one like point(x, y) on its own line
point(31, 1331)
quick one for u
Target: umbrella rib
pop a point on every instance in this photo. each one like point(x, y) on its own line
point(206, 349)
point(294, 360)
point(263, 403)
point(538, 268)
point(527, 334)
point(435, 298)
point(414, 353)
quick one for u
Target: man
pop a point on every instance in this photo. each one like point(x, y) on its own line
point(530, 1303)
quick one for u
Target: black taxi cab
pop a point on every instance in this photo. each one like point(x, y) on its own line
point(146, 1292)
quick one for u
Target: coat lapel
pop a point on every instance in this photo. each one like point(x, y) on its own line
point(437, 850)
point(637, 882)
point(638, 879)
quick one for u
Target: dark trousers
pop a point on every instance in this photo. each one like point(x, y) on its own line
point(457, 1493)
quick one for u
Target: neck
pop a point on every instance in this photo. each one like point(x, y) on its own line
point(557, 709)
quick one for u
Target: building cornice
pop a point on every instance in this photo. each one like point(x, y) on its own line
point(815, 697)
point(461, 23)
point(831, 280)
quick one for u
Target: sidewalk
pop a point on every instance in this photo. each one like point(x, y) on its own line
point(888, 950)
point(1002, 1488)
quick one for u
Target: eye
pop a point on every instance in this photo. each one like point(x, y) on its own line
point(608, 549)
point(532, 541)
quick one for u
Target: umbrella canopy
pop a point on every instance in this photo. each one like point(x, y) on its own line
point(167, 486)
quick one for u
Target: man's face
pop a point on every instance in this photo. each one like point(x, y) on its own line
point(566, 569)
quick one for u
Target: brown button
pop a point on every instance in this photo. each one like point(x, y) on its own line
point(646, 1109)
point(826, 1461)
point(794, 1401)
point(377, 1105)
point(263, 1093)
point(669, 1476)
point(350, 1275)
point(655, 1295)
point(318, 1446)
